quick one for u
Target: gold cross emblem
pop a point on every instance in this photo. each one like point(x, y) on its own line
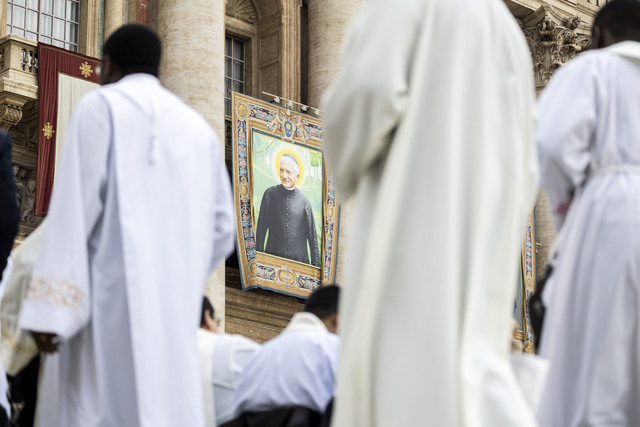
point(48, 130)
point(86, 70)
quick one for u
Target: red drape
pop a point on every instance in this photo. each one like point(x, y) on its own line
point(51, 62)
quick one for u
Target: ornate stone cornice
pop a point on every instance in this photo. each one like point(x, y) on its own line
point(10, 115)
point(553, 40)
point(26, 192)
point(11, 108)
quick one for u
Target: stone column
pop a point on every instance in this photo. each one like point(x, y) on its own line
point(193, 68)
point(114, 16)
point(328, 24)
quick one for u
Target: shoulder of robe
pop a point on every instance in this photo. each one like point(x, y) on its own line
point(270, 190)
point(242, 340)
point(587, 61)
point(93, 100)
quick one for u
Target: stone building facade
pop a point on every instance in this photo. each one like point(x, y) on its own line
point(289, 48)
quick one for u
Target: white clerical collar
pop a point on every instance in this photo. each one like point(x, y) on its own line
point(289, 189)
point(305, 321)
point(629, 49)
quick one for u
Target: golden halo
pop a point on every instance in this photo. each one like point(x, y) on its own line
point(295, 156)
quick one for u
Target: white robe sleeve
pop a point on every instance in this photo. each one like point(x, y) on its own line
point(58, 298)
point(567, 117)
point(224, 225)
point(367, 99)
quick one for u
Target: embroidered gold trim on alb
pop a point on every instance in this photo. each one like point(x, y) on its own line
point(58, 293)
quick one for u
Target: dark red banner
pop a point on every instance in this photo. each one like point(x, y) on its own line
point(53, 61)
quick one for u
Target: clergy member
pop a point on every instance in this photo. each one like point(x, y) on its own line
point(222, 358)
point(430, 124)
point(141, 213)
point(18, 350)
point(296, 369)
point(589, 145)
point(287, 217)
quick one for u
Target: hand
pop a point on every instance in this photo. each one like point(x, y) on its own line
point(46, 342)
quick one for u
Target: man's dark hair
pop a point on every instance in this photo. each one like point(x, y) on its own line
point(324, 301)
point(206, 306)
point(621, 19)
point(133, 49)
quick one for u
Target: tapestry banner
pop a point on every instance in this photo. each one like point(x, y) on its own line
point(286, 211)
point(526, 286)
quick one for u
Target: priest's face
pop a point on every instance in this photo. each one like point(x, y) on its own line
point(288, 172)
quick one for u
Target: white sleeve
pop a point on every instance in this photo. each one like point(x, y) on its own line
point(371, 92)
point(58, 298)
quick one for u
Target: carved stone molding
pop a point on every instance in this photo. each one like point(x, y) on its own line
point(24, 137)
point(241, 9)
point(554, 40)
point(26, 191)
point(11, 109)
point(10, 115)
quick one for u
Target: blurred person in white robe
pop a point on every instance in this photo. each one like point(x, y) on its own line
point(430, 124)
point(141, 213)
point(18, 350)
point(222, 358)
point(294, 371)
point(589, 147)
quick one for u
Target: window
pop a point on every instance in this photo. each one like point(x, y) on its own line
point(53, 22)
point(234, 63)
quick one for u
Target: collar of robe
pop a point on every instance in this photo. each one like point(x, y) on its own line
point(628, 49)
point(305, 321)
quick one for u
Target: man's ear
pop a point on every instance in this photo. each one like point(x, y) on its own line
point(210, 323)
point(110, 72)
point(331, 323)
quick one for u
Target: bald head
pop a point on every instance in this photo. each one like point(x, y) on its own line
point(290, 161)
point(617, 21)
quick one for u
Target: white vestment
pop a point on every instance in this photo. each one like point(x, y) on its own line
point(17, 347)
point(140, 214)
point(296, 368)
point(222, 357)
point(589, 146)
point(431, 123)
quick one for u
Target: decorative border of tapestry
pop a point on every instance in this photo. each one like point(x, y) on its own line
point(55, 65)
point(286, 211)
point(526, 287)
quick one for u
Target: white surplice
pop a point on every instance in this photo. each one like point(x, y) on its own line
point(140, 214)
point(222, 357)
point(17, 347)
point(589, 145)
point(295, 369)
point(431, 124)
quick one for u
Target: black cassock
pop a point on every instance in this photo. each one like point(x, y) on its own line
point(288, 217)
